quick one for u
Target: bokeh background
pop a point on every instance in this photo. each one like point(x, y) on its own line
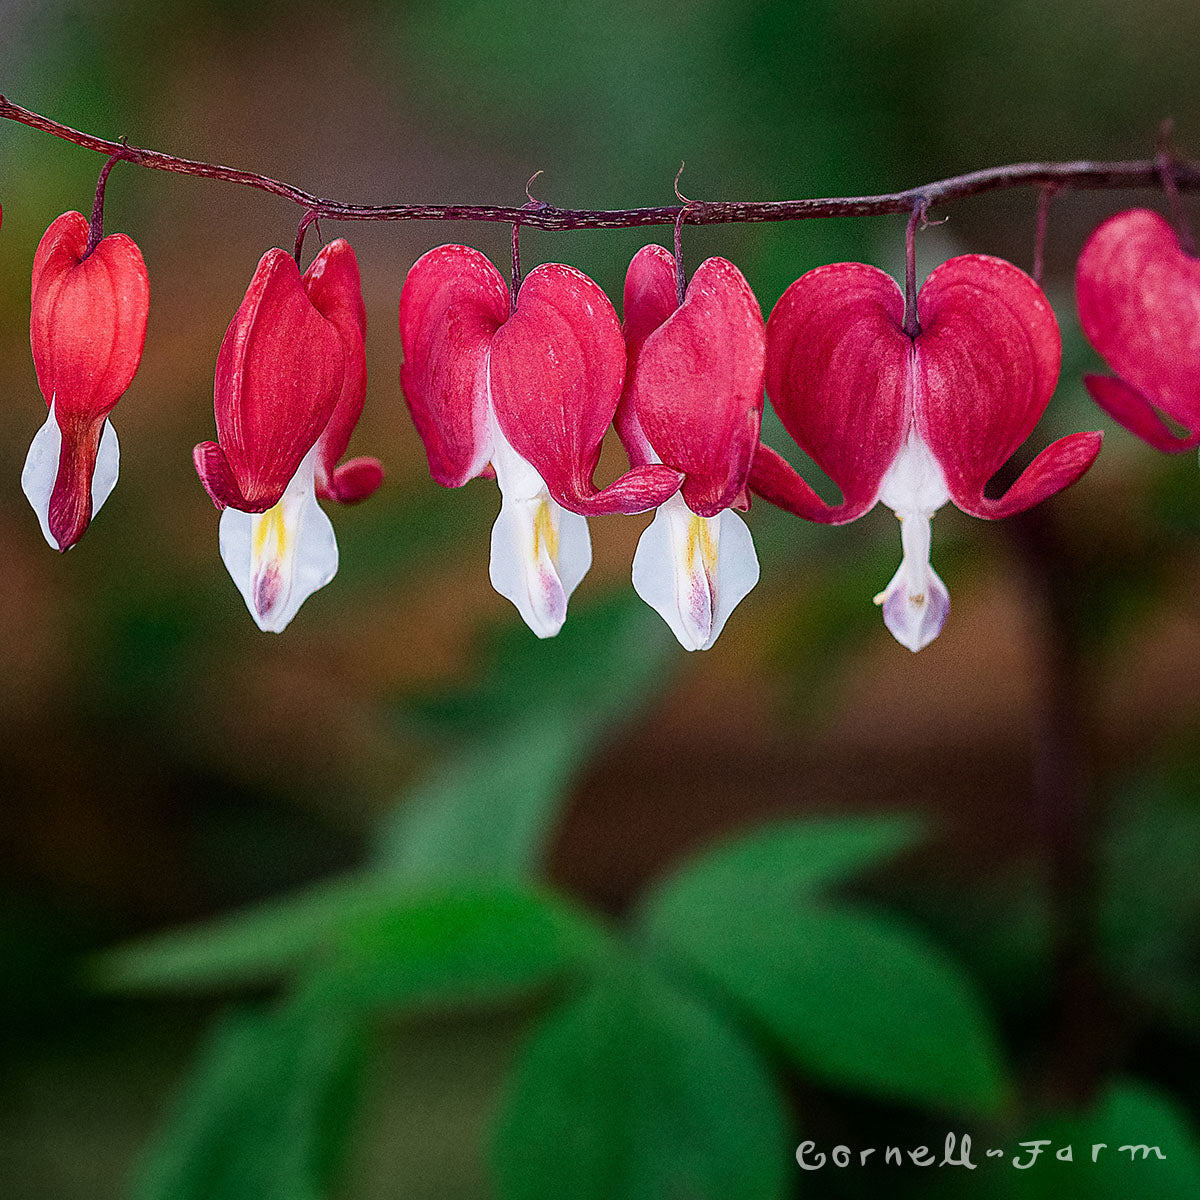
point(163, 765)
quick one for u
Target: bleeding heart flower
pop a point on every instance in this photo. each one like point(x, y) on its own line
point(527, 393)
point(87, 327)
point(693, 400)
point(290, 382)
point(1139, 304)
point(915, 421)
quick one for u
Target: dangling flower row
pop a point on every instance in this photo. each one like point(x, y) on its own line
point(913, 403)
point(912, 419)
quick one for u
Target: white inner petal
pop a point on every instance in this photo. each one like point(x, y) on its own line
point(915, 603)
point(280, 557)
point(540, 550)
point(108, 463)
point(41, 470)
point(914, 483)
point(694, 571)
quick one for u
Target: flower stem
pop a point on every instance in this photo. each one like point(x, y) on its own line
point(1183, 176)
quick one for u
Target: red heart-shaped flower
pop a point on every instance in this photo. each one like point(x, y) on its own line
point(1139, 304)
point(852, 387)
point(550, 372)
point(87, 328)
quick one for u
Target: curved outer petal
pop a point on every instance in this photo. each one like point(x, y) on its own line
point(1057, 467)
point(650, 298)
point(334, 286)
point(697, 389)
point(837, 371)
point(87, 328)
point(279, 375)
point(555, 374)
point(1132, 410)
point(986, 365)
point(1139, 304)
point(452, 303)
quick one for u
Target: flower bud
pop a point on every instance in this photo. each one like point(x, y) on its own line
point(87, 327)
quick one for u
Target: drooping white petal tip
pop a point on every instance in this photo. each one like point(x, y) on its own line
point(41, 470)
point(280, 557)
point(915, 618)
point(694, 571)
point(540, 553)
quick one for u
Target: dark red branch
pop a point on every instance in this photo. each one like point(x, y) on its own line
point(1184, 175)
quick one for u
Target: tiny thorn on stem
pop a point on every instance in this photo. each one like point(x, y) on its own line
point(679, 175)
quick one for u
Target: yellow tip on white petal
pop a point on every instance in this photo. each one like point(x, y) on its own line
point(694, 571)
point(280, 557)
point(540, 552)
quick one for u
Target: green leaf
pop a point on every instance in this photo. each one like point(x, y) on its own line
point(779, 865)
point(459, 948)
point(486, 813)
point(1150, 910)
point(377, 943)
point(856, 999)
point(1001, 932)
point(633, 1091)
point(267, 1114)
point(1130, 1113)
point(255, 946)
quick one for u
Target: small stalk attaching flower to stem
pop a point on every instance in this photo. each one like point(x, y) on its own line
point(912, 325)
point(96, 229)
point(531, 205)
point(680, 273)
point(310, 218)
point(1166, 166)
point(1045, 196)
